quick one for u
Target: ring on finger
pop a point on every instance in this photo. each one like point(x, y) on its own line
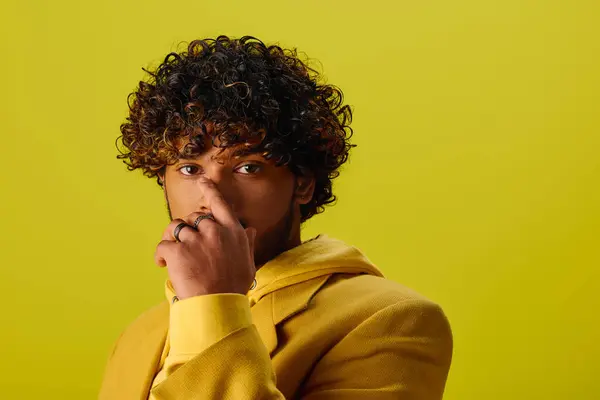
point(201, 217)
point(178, 229)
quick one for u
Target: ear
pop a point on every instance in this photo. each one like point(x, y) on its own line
point(305, 189)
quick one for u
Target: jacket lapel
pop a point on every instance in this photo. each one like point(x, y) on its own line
point(262, 316)
point(276, 307)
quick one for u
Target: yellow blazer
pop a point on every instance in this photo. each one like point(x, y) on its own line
point(325, 324)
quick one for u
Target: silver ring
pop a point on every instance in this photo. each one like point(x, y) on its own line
point(253, 284)
point(178, 229)
point(201, 217)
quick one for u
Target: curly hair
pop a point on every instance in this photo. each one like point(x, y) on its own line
point(257, 99)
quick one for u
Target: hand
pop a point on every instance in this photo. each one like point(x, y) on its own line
point(218, 257)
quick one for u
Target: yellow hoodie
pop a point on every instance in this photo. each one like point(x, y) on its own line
point(321, 323)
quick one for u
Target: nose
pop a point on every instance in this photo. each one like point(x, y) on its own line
point(224, 184)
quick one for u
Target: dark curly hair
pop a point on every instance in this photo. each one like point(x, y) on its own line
point(257, 98)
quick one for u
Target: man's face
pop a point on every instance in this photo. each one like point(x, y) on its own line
point(261, 195)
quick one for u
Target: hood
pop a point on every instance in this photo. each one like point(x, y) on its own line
point(314, 258)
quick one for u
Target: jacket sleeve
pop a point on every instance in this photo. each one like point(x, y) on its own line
point(199, 322)
point(401, 352)
point(216, 353)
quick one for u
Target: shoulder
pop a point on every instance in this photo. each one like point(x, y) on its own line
point(379, 337)
point(355, 300)
point(370, 290)
point(152, 318)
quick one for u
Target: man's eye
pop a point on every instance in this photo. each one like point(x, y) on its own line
point(189, 170)
point(248, 169)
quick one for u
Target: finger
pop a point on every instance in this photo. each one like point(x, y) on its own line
point(217, 204)
point(251, 234)
point(185, 234)
point(163, 249)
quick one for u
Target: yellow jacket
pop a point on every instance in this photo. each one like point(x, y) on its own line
point(322, 323)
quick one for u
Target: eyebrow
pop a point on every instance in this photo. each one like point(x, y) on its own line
point(217, 158)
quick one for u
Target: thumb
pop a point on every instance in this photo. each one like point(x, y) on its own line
point(251, 235)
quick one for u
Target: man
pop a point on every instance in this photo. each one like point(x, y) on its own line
point(245, 142)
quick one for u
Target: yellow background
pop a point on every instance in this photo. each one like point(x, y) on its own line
point(476, 179)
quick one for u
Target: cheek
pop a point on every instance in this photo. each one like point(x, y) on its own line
point(183, 199)
point(264, 207)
